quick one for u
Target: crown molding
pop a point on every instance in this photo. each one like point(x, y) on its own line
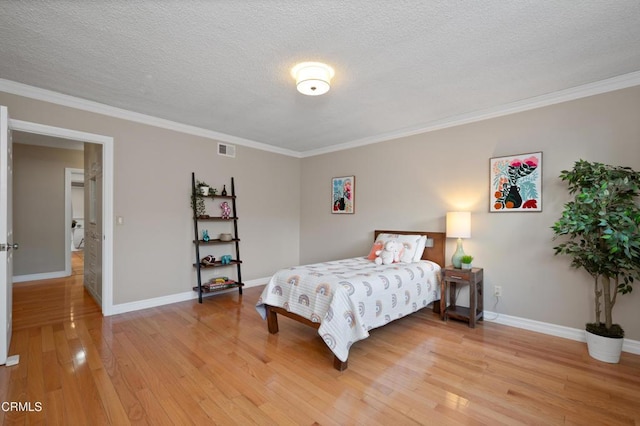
point(609, 85)
point(45, 95)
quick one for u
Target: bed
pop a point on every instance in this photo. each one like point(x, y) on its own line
point(345, 299)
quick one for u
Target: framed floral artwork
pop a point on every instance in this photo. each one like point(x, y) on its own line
point(343, 192)
point(516, 183)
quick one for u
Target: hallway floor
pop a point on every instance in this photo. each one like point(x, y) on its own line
point(36, 303)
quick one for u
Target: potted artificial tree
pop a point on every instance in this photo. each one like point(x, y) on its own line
point(602, 227)
point(466, 261)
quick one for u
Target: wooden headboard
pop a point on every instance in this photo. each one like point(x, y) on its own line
point(435, 253)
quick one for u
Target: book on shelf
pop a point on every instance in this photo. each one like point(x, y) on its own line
point(218, 285)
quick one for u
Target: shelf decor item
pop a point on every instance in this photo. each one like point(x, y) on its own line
point(343, 192)
point(226, 210)
point(203, 188)
point(600, 227)
point(516, 183)
point(197, 204)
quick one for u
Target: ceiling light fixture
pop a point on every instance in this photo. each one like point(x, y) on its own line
point(312, 78)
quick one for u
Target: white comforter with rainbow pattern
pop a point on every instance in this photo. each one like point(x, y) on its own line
point(352, 296)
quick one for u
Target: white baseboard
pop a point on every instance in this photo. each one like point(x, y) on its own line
point(42, 276)
point(256, 282)
point(174, 298)
point(631, 346)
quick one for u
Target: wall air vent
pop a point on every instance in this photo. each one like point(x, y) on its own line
point(226, 150)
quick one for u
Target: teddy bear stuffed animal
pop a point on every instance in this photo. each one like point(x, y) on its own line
point(389, 254)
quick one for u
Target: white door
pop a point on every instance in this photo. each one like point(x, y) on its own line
point(6, 235)
point(93, 240)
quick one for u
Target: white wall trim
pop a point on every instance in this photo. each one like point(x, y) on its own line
point(32, 92)
point(43, 129)
point(631, 346)
point(107, 194)
point(69, 174)
point(175, 298)
point(257, 282)
point(583, 91)
point(591, 89)
point(41, 276)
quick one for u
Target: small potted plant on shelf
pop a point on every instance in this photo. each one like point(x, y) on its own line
point(203, 188)
point(602, 227)
point(466, 261)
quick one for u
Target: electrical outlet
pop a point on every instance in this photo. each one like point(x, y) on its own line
point(497, 291)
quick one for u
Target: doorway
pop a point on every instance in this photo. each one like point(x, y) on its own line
point(104, 239)
point(74, 217)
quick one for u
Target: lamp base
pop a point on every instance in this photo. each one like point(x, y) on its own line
point(456, 259)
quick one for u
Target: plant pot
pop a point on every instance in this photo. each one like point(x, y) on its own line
point(225, 237)
point(465, 266)
point(605, 349)
point(204, 190)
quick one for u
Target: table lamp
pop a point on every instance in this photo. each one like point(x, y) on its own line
point(458, 226)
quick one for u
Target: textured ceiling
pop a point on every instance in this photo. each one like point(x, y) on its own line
point(401, 65)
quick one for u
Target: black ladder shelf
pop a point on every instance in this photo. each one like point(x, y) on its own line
point(199, 242)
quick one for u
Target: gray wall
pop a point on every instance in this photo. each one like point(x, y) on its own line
point(153, 250)
point(38, 207)
point(410, 183)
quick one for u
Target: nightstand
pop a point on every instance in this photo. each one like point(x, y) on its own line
point(451, 277)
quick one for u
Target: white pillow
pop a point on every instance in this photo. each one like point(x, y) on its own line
point(410, 243)
point(422, 242)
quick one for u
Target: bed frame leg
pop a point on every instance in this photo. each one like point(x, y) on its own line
point(339, 365)
point(272, 321)
point(436, 307)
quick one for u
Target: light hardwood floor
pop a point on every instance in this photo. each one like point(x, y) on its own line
point(46, 302)
point(215, 363)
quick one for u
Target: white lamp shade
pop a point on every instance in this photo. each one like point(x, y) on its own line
point(313, 78)
point(459, 224)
